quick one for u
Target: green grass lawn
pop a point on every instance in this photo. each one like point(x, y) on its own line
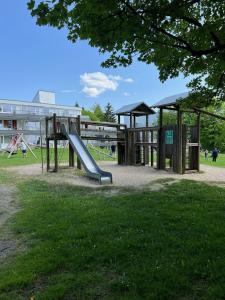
point(137, 244)
point(219, 163)
point(18, 160)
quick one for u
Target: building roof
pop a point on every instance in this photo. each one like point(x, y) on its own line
point(171, 100)
point(19, 102)
point(27, 117)
point(139, 108)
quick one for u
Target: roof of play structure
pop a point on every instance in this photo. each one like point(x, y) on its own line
point(139, 109)
point(171, 100)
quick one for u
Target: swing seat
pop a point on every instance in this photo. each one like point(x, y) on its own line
point(14, 153)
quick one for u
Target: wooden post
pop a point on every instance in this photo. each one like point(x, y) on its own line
point(134, 121)
point(126, 147)
point(179, 142)
point(55, 143)
point(152, 150)
point(47, 154)
point(54, 125)
point(56, 154)
point(47, 145)
point(131, 121)
point(79, 133)
point(71, 151)
point(118, 146)
point(41, 144)
point(160, 142)
point(146, 139)
point(198, 139)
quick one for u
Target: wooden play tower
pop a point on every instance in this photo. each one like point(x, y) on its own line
point(140, 139)
point(178, 144)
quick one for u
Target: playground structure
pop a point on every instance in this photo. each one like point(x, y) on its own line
point(178, 144)
point(166, 147)
point(69, 129)
point(15, 144)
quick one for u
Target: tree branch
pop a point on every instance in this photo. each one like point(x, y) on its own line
point(188, 47)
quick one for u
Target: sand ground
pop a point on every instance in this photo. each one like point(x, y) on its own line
point(122, 175)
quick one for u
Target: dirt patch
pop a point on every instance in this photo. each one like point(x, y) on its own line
point(8, 204)
point(7, 247)
point(8, 207)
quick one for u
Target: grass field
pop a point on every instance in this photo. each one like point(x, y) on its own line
point(17, 159)
point(108, 244)
point(219, 163)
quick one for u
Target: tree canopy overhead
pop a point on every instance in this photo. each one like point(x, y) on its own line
point(178, 36)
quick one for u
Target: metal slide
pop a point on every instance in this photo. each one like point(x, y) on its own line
point(89, 164)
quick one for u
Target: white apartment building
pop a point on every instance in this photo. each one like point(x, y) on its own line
point(25, 117)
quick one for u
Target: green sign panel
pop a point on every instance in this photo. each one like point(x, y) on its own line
point(169, 137)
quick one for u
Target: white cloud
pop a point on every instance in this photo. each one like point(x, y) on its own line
point(126, 94)
point(97, 83)
point(93, 91)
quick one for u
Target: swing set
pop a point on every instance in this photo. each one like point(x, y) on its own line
point(15, 144)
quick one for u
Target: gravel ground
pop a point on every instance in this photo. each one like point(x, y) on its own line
point(122, 175)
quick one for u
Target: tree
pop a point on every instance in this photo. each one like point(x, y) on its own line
point(213, 130)
point(178, 36)
point(98, 112)
point(169, 118)
point(109, 115)
point(77, 104)
point(90, 114)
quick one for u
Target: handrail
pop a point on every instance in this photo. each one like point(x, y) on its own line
point(101, 152)
point(155, 128)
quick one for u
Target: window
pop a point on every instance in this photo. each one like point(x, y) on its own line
point(31, 110)
point(6, 108)
point(1, 124)
point(32, 125)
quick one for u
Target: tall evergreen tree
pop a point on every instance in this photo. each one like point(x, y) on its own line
point(98, 112)
point(109, 115)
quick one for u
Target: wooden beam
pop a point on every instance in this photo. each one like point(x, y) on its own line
point(210, 114)
point(96, 138)
point(105, 124)
point(155, 128)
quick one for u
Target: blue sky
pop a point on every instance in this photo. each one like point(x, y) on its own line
point(33, 58)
